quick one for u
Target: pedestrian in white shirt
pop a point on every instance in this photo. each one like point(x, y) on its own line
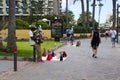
point(33, 39)
point(113, 36)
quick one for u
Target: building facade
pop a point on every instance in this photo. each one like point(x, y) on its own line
point(50, 7)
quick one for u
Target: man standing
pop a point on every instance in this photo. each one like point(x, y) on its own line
point(113, 36)
point(34, 39)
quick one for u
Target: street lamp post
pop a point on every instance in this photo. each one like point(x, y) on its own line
point(117, 21)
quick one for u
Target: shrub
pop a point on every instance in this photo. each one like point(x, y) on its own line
point(21, 24)
point(102, 35)
point(83, 36)
point(79, 29)
point(3, 25)
point(42, 23)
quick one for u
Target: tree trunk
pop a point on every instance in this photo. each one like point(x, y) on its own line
point(87, 13)
point(66, 13)
point(83, 12)
point(11, 40)
point(114, 12)
point(93, 14)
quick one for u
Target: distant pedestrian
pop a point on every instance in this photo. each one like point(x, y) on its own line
point(113, 36)
point(95, 41)
point(68, 34)
point(71, 35)
point(107, 33)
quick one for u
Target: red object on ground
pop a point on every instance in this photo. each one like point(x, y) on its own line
point(49, 57)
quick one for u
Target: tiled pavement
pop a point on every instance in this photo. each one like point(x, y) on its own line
point(79, 65)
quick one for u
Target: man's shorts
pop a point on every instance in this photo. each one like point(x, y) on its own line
point(113, 39)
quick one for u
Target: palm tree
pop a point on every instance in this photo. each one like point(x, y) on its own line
point(83, 11)
point(11, 40)
point(67, 13)
point(93, 13)
point(87, 15)
point(100, 6)
point(87, 1)
point(114, 12)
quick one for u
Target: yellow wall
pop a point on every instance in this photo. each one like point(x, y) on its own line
point(24, 34)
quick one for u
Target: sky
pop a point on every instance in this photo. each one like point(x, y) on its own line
point(106, 10)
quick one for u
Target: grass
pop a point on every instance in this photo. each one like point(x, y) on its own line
point(25, 50)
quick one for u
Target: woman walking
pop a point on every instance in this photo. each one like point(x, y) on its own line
point(95, 41)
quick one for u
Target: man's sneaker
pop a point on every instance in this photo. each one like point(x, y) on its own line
point(41, 61)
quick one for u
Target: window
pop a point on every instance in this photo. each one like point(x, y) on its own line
point(1, 12)
point(1, 3)
point(25, 11)
point(7, 10)
point(24, 3)
point(50, 4)
point(16, 2)
point(17, 12)
point(7, 2)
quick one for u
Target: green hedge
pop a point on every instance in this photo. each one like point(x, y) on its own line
point(79, 29)
point(42, 23)
point(21, 24)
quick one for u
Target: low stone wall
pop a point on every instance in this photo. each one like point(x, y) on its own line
point(24, 34)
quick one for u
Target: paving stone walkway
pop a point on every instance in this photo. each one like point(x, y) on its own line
point(79, 65)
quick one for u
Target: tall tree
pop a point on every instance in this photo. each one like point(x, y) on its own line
point(67, 13)
point(114, 12)
point(87, 16)
point(87, 1)
point(11, 40)
point(36, 9)
point(93, 13)
point(70, 17)
point(83, 11)
point(100, 7)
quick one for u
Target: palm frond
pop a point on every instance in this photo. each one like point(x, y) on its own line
point(74, 1)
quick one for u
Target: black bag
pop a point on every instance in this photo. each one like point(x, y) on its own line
point(37, 40)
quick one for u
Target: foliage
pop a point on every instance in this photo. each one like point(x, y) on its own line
point(70, 17)
point(20, 24)
point(3, 25)
point(80, 20)
point(110, 18)
point(79, 29)
point(36, 9)
point(83, 36)
point(102, 30)
point(42, 23)
point(50, 17)
point(102, 35)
